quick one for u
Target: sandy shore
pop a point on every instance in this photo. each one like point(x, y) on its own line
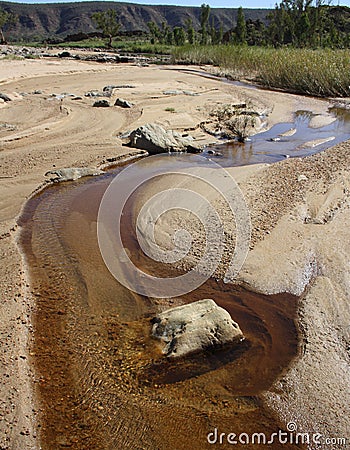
point(299, 238)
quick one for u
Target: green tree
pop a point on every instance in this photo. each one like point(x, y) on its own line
point(220, 34)
point(169, 37)
point(164, 33)
point(6, 20)
point(204, 19)
point(276, 30)
point(108, 22)
point(241, 28)
point(191, 34)
point(154, 32)
point(256, 32)
point(212, 31)
point(303, 30)
point(179, 36)
point(300, 23)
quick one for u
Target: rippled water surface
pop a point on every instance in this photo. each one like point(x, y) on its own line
point(101, 379)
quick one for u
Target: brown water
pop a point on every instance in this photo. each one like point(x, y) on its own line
point(101, 379)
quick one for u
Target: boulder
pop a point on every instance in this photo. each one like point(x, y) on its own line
point(5, 97)
point(72, 173)
point(101, 104)
point(195, 327)
point(154, 139)
point(123, 103)
point(65, 54)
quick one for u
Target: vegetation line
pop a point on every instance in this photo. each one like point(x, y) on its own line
point(301, 46)
point(320, 72)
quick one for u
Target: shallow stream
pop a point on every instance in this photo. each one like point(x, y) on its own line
point(287, 140)
point(102, 381)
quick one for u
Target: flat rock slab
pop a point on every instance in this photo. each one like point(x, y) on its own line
point(72, 173)
point(195, 327)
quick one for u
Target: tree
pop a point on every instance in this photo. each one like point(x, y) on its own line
point(204, 19)
point(6, 19)
point(220, 34)
point(154, 32)
point(300, 23)
point(108, 22)
point(179, 36)
point(169, 37)
point(191, 34)
point(164, 33)
point(256, 32)
point(241, 29)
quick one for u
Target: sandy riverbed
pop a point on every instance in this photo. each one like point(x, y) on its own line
point(299, 227)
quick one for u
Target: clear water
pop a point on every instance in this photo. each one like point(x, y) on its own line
point(269, 146)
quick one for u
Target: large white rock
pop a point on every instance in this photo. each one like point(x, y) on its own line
point(155, 139)
point(195, 327)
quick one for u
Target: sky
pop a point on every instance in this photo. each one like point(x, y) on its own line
point(212, 3)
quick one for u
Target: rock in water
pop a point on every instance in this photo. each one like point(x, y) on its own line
point(155, 139)
point(195, 327)
point(72, 173)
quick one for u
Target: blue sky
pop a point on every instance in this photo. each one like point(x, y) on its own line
point(212, 3)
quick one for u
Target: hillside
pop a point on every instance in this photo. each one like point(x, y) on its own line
point(57, 20)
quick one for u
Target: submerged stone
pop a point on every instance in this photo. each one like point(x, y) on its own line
point(195, 327)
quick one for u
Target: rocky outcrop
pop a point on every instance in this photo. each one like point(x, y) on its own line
point(72, 173)
point(194, 328)
point(154, 139)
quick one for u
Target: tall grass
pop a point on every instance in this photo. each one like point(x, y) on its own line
point(322, 72)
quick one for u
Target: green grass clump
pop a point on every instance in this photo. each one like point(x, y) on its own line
point(142, 47)
point(320, 72)
point(172, 110)
point(132, 46)
point(85, 43)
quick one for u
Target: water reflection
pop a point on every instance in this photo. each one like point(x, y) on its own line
point(286, 140)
